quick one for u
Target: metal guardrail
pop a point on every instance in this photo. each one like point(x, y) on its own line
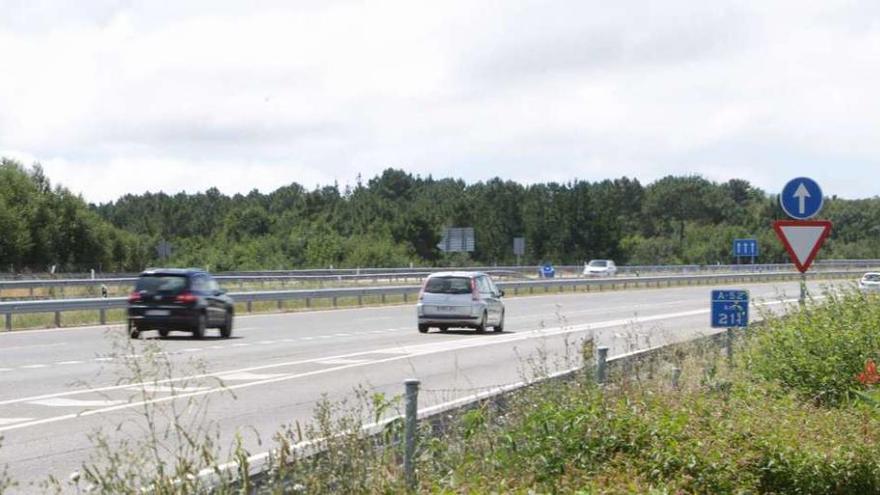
point(231, 279)
point(101, 305)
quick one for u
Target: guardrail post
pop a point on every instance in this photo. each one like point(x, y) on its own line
point(102, 316)
point(405, 297)
point(410, 428)
point(280, 305)
point(31, 292)
point(250, 307)
point(360, 300)
point(383, 298)
point(676, 376)
point(8, 322)
point(58, 319)
point(601, 365)
point(334, 301)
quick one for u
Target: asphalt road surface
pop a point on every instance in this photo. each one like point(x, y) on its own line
point(59, 386)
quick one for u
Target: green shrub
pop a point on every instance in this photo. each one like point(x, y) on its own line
point(818, 351)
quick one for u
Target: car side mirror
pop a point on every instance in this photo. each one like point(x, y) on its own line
point(220, 292)
point(500, 293)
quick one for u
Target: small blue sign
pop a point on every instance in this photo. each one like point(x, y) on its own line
point(801, 198)
point(747, 248)
point(730, 308)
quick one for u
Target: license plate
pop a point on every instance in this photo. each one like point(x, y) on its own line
point(445, 309)
point(157, 312)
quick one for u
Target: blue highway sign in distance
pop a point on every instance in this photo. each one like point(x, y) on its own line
point(801, 198)
point(730, 308)
point(745, 247)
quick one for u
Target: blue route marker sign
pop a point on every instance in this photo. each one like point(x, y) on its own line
point(801, 198)
point(730, 308)
point(746, 248)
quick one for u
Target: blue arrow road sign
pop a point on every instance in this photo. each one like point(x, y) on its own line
point(730, 308)
point(747, 248)
point(801, 198)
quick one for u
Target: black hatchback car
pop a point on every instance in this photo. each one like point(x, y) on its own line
point(189, 300)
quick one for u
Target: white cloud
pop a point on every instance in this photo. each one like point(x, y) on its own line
point(119, 98)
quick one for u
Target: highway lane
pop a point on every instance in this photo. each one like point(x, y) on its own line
point(56, 386)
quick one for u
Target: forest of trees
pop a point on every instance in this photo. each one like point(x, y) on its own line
point(396, 219)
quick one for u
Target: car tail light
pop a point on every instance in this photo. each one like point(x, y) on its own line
point(134, 297)
point(475, 294)
point(422, 291)
point(186, 298)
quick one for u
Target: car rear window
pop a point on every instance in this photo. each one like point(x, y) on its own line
point(170, 284)
point(872, 277)
point(448, 285)
point(599, 263)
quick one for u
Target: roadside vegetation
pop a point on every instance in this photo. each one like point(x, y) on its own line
point(792, 414)
point(397, 219)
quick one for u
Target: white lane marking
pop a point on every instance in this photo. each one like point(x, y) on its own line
point(9, 421)
point(5, 369)
point(191, 349)
point(343, 361)
point(245, 376)
point(240, 344)
point(65, 363)
point(33, 346)
point(288, 340)
point(266, 342)
point(308, 338)
point(216, 347)
point(103, 359)
point(164, 389)
point(64, 402)
point(34, 366)
point(342, 335)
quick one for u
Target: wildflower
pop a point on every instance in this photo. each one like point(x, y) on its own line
point(870, 375)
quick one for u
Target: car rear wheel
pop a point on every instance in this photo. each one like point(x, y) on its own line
point(500, 326)
point(226, 329)
point(133, 331)
point(199, 330)
point(444, 329)
point(481, 327)
point(163, 333)
point(423, 328)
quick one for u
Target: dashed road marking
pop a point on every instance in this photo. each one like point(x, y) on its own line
point(103, 359)
point(246, 376)
point(165, 389)
point(65, 363)
point(266, 342)
point(9, 421)
point(34, 366)
point(191, 349)
point(343, 361)
point(343, 335)
point(64, 402)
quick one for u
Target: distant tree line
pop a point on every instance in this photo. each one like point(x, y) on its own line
point(397, 219)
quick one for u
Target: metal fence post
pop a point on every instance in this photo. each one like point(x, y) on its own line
point(8, 322)
point(102, 315)
point(58, 319)
point(410, 428)
point(250, 306)
point(601, 365)
point(730, 346)
point(676, 376)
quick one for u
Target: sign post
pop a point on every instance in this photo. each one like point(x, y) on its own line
point(519, 248)
point(801, 199)
point(730, 309)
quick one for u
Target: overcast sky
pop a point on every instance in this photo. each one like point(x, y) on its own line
point(117, 97)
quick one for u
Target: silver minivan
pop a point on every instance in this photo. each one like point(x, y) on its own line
point(460, 299)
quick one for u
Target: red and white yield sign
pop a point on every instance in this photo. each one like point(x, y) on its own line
point(802, 239)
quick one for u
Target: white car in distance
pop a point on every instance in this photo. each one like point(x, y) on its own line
point(460, 299)
point(870, 282)
point(600, 268)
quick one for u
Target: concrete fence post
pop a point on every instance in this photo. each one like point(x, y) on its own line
point(601, 365)
point(410, 432)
